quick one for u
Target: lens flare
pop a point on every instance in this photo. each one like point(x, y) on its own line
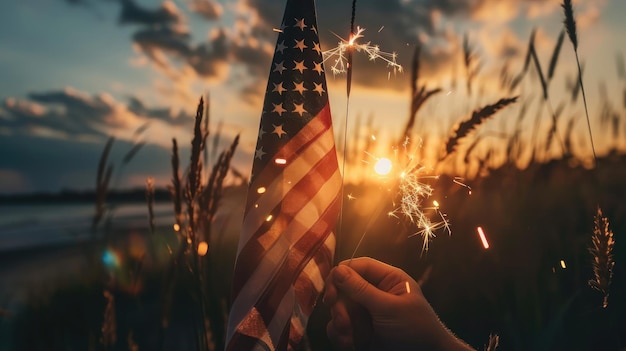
point(111, 259)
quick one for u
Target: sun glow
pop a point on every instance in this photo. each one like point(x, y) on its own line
point(383, 166)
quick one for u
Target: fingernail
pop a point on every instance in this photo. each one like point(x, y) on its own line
point(342, 273)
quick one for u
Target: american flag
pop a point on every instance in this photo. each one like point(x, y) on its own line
point(287, 242)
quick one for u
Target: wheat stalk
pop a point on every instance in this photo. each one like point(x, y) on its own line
point(602, 252)
point(176, 187)
point(477, 118)
point(570, 27)
point(419, 95)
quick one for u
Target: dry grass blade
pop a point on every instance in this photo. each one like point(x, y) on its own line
point(494, 341)
point(206, 128)
point(544, 85)
point(568, 137)
point(531, 45)
point(570, 22)
point(212, 194)
point(150, 202)
point(103, 178)
point(418, 95)
point(552, 131)
point(518, 79)
point(602, 252)
point(467, 60)
point(109, 328)
point(477, 118)
point(470, 149)
point(142, 128)
point(621, 67)
point(216, 138)
point(132, 152)
point(555, 55)
point(574, 86)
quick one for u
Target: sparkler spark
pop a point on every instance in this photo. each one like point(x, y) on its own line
point(483, 238)
point(340, 56)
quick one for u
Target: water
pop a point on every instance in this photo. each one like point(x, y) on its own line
point(31, 226)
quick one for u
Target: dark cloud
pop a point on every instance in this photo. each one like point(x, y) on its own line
point(136, 106)
point(66, 112)
point(132, 13)
point(69, 113)
point(396, 25)
point(209, 9)
point(36, 163)
point(151, 41)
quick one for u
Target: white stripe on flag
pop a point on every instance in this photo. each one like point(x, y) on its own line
point(274, 192)
point(256, 284)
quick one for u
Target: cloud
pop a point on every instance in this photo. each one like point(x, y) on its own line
point(73, 114)
point(131, 13)
point(138, 107)
point(210, 10)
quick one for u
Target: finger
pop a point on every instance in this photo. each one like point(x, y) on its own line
point(373, 270)
point(339, 329)
point(356, 288)
point(330, 293)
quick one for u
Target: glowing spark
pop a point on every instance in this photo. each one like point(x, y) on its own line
point(269, 218)
point(350, 197)
point(383, 166)
point(373, 137)
point(277, 30)
point(411, 192)
point(563, 264)
point(203, 248)
point(261, 190)
point(280, 161)
point(381, 29)
point(483, 238)
point(436, 204)
point(408, 287)
point(458, 180)
point(176, 227)
point(340, 64)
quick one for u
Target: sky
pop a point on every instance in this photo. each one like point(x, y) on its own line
point(76, 72)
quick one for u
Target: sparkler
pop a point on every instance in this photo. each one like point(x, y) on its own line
point(340, 54)
point(412, 191)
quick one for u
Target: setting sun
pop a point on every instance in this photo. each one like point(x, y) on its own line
point(383, 166)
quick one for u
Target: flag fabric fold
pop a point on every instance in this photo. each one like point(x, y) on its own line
point(287, 240)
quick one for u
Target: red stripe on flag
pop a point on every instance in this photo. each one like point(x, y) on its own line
point(253, 252)
point(310, 133)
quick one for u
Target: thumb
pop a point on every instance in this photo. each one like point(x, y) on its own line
point(355, 287)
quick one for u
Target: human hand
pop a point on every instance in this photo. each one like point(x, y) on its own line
point(376, 306)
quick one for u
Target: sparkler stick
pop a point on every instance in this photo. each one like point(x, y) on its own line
point(345, 131)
